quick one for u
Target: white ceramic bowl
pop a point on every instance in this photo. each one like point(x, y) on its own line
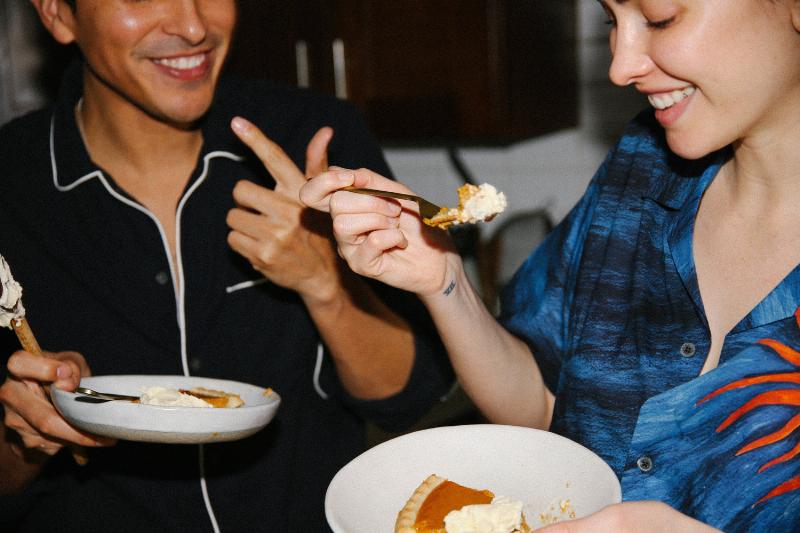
point(180, 425)
point(543, 470)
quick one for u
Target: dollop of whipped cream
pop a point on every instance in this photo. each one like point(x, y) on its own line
point(10, 296)
point(169, 397)
point(482, 203)
point(503, 515)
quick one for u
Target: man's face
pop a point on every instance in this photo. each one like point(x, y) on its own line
point(161, 56)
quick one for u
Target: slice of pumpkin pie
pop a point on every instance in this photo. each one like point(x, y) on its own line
point(442, 506)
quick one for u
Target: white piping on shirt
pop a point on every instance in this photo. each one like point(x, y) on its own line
point(317, 370)
point(179, 290)
point(320, 349)
point(245, 285)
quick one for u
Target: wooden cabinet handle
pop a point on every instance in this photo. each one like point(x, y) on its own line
point(301, 63)
point(339, 69)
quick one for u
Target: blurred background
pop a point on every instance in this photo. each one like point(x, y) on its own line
point(510, 92)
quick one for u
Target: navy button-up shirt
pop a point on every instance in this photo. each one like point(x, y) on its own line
point(610, 303)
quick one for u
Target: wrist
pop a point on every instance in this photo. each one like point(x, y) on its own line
point(453, 282)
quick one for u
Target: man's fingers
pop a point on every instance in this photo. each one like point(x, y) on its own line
point(263, 200)
point(24, 365)
point(77, 359)
point(317, 152)
point(282, 168)
point(34, 416)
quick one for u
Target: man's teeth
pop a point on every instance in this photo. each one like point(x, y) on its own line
point(665, 100)
point(182, 63)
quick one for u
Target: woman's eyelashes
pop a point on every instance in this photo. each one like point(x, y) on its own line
point(660, 24)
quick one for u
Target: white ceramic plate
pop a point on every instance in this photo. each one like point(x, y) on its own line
point(541, 469)
point(180, 425)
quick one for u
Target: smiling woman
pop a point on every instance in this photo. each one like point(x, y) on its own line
point(664, 284)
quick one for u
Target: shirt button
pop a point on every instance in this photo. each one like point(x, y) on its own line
point(194, 364)
point(644, 463)
point(688, 349)
point(162, 278)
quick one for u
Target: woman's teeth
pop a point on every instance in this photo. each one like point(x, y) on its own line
point(182, 63)
point(665, 100)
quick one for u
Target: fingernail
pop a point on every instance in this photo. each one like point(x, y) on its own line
point(239, 125)
point(64, 372)
point(395, 210)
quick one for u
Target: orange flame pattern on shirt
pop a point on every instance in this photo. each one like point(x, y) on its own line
point(773, 397)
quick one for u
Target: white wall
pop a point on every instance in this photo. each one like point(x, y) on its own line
point(546, 172)
point(20, 59)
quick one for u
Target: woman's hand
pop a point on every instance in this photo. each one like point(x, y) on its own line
point(632, 517)
point(28, 409)
point(382, 238)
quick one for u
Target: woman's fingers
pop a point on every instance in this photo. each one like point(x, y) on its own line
point(317, 192)
point(369, 257)
point(352, 228)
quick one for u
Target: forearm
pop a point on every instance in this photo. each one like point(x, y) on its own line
point(495, 368)
point(17, 472)
point(372, 347)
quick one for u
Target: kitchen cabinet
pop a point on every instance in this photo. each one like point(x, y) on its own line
point(424, 71)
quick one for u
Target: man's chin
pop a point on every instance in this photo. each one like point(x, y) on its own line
point(183, 118)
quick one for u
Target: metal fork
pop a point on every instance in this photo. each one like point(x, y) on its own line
point(104, 395)
point(426, 209)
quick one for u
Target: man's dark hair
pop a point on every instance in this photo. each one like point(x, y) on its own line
point(71, 3)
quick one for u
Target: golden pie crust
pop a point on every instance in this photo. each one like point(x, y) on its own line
point(448, 215)
point(425, 510)
point(216, 398)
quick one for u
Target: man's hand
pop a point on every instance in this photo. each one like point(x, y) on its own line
point(287, 242)
point(632, 517)
point(28, 409)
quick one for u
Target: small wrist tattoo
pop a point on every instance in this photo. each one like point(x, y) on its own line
point(450, 288)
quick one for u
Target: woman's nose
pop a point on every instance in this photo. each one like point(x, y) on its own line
point(186, 20)
point(630, 58)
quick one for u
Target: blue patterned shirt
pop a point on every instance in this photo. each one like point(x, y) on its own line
point(611, 308)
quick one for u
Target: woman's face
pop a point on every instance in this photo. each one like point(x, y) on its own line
point(717, 71)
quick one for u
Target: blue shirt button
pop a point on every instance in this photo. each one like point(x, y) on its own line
point(644, 463)
point(194, 364)
point(162, 278)
point(688, 349)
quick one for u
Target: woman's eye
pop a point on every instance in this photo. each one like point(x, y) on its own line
point(660, 24)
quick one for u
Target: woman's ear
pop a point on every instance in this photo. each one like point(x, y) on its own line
point(58, 18)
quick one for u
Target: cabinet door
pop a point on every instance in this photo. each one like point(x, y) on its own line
point(424, 71)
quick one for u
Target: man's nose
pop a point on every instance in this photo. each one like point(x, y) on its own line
point(187, 21)
point(631, 59)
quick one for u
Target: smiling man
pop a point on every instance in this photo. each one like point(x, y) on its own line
point(150, 240)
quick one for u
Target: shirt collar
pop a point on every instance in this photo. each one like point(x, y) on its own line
point(676, 182)
point(71, 163)
point(681, 193)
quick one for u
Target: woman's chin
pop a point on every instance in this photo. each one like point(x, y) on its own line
point(689, 148)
